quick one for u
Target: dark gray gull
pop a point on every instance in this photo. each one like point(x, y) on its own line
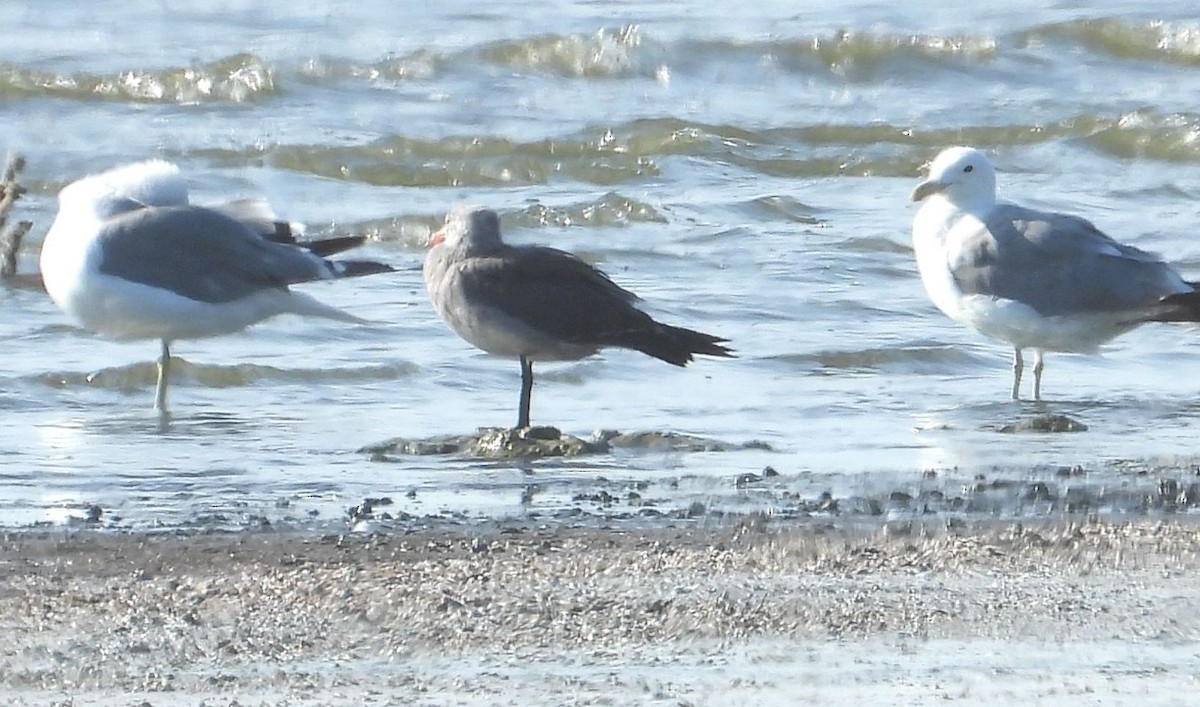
point(1034, 279)
point(535, 303)
point(130, 258)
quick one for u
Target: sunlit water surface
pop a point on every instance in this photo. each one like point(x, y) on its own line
point(746, 171)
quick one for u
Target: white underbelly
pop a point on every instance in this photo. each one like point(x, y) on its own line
point(122, 309)
point(1020, 325)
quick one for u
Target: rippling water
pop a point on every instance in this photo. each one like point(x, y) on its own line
point(745, 171)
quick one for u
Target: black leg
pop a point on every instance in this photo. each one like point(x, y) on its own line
point(164, 379)
point(526, 392)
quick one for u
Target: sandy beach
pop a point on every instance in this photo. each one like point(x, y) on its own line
point(751, 612)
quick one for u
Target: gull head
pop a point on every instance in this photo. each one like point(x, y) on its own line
point(964, 176)
point(471, 229)
point(131, 186)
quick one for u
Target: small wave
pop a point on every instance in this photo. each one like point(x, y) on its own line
point(1139, 134)
point(236, 79)
point(908, 359)
point(602, 155)
point(611, 209)
point(141, 375)
point(419, 65)
point(605, 53)
point(1167, 42)
point(410, 231)
point(627, 52)
point(633, 151)
point(875, 244)
point(1171, 137)
point(597, 157)
point(782, 207)
point(1143, 133)
point(859, 56)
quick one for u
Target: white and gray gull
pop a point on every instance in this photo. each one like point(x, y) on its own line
point(1034, 279)
point(130, 258)
point(536, 303)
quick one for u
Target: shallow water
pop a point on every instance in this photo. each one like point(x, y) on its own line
point(746, 172)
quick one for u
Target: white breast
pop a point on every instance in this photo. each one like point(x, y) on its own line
point(931, 234)
point(69, 258)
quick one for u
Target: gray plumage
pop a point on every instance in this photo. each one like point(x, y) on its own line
point(1034, 279)
point(127, 256)
point(202, 254)
point(536, 303)
point(1059, 264)
point(569, 301)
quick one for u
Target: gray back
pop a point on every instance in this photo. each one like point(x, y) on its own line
point(1059, 264)
point(201, 254)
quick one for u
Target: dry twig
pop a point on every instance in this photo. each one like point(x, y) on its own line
point(10, 238)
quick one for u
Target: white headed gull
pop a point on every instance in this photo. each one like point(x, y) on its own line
point(1034, 279)
point(128, 257)
point(540, 304)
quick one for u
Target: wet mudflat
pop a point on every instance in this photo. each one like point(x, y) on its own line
point(759, 610)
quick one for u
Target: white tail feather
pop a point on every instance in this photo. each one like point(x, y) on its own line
point(307, 306)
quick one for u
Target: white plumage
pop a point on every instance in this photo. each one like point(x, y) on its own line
point(1042, 280)
point(130, 258)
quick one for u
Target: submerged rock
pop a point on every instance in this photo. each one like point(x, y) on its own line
point(530, 442)
point(1044, 423)
point(493, 443)
point(673, 442)
point(545, 441)
point(748, 479)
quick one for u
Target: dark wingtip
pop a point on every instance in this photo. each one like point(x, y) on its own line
point(326, 247)
point(1181, 307)
point(357, 268)
point(714, 347)
point(679, 347)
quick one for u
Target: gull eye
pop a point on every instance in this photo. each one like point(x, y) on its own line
point(969, 168)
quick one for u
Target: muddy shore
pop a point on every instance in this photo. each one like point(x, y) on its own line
point(511, 613)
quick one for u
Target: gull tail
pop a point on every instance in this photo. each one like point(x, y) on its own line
point(256, 214)
point(306, 306)
point(675, 345)
point(1181, 307)
point(357, 268)
point(331, 246)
